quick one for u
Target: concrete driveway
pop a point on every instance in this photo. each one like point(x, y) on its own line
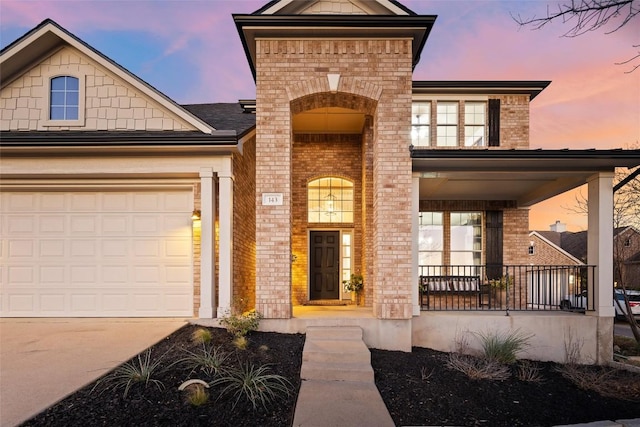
point(44, 360)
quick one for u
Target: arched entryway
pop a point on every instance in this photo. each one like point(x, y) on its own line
point(331, 194)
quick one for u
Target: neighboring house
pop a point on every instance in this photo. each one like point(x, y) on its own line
point(626, 250)
point(342, 165)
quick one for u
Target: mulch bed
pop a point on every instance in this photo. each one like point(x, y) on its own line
point(417, 388)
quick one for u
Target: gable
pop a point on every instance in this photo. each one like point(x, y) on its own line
point(109, 97)
point(109, 103)
point(334, 7)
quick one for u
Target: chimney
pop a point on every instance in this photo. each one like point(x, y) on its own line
point(558, 227)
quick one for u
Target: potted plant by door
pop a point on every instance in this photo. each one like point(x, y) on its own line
point(354, 285)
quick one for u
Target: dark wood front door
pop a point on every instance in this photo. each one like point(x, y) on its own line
point(324, 256)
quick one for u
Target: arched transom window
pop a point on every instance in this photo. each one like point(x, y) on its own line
point(330, 200)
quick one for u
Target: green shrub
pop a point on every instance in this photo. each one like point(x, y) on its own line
point(239, 325)
point(131, 373)
point(254, 384)
point(209, 360)
point(504, 347)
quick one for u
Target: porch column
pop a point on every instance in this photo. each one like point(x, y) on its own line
point(225, 182)
point(600, 241)
point(600, 254)
point(415, 218)
point(207, 247)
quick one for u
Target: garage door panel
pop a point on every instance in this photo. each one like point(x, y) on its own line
point(96, 254)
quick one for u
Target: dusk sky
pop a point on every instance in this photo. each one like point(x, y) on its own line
point(191, 51)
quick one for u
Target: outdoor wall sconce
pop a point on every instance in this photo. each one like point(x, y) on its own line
point(195, 215)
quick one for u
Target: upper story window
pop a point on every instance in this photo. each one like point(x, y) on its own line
point(475, 120)
point(447, 121)
point(420, 121)
point(479, 122)
point(330, 200)
point(64, 100)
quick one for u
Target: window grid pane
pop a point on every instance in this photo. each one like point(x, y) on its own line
point(447, 116)
point(64, 98)
point(330, 200)
point(420, 120)
point(430, 238)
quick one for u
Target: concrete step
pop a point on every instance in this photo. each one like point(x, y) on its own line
point(335, 371)
point(336, 351)
point(334, 333)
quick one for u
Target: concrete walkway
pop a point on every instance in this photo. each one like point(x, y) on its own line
point(44, 360)
point(338, 386)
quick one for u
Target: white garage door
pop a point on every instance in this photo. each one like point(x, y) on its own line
point(96, 254)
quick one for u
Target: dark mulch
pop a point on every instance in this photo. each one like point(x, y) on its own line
point(153, 407)
point(448, 397)
point(442, 397)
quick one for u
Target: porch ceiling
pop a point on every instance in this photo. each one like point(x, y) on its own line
point(527, 188)
point(526, 176)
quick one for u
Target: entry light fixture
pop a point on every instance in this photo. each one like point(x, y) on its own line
point(195, 215)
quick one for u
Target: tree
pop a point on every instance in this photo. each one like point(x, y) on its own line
point(590, 15)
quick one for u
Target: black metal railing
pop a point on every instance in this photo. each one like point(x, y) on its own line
point(507, 287)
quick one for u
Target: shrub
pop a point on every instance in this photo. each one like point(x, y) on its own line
point(197, 395)
point(209, 360)
point(255, 384)
point(239, 325)
point(478, 368)
point(529, 372)
point(504, 347)
point(201, 336)
point(241, 342)
point(131, 373)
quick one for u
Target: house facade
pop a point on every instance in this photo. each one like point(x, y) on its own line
point(119, 202)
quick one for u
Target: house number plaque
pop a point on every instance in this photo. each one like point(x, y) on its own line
point(272, 199)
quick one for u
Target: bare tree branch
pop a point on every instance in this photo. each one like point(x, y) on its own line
point(588, 15)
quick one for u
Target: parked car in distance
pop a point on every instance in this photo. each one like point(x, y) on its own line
point(620, 306)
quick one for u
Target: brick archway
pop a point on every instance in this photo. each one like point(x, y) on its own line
point(351, 93)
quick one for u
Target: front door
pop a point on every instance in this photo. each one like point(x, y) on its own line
point(324, 256)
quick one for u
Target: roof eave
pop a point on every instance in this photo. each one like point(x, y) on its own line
point(251, 27)
point(481, 87)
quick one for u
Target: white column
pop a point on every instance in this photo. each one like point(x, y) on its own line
point(600, 241)
point(225, 233)
point(207, 244)
point(415, 218)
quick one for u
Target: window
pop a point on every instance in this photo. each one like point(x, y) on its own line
point(474, 124)
point(466, 238)
point(627, 243)
point(447, 117)
point(431, 238)
point(64, 100)
point(456, 236)
point(347, 256)
point(330, 200)
point(420, 120)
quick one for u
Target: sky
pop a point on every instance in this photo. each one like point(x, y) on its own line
point(190, 50)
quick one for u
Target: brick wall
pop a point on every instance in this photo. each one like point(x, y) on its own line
point(547, 254)
point(244, 227)
point(341, 156)
point(109, 103)
point(374, 73)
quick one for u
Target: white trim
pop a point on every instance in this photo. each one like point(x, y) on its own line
point(45, 115)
